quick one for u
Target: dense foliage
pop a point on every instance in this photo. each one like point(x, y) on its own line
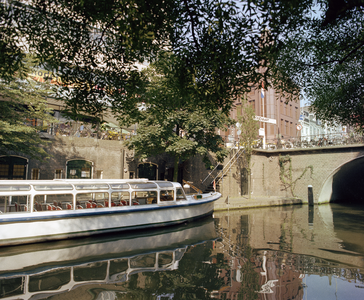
point(171, 123)
point(23, 114)
point(318, 46)
point(221, 47)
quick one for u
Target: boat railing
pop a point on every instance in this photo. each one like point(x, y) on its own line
point(41, 196)
point(191, 186)
point(104, 271)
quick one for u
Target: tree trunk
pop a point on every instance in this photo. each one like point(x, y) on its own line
point(249, 156)
point(175, 171)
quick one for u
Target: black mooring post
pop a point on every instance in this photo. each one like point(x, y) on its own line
point(310, 206)
point(310, 195)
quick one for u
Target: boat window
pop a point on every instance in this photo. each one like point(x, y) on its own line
point(167, 195)
point(53, 202)
point(11, 287)
point(18, 187)
point(53, 187)
point(92, 271)
point(92, 200)
point(92, 186)
point(178, 254)
point(12, 204)
point(165, 184)
point(165, 259)
point(49, 281)
point(120, 186)
point(143, 261)
point(120, 198)
point(118, 266)
point(180, 194)
point(144, 186)
point(144, 198)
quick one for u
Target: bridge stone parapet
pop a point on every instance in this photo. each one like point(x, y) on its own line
point(337, 173)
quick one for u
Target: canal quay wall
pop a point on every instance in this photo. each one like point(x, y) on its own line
point(284, 177)
point(109, 158)
point(264, 186)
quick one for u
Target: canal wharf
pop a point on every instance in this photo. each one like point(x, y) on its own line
point(244, 202)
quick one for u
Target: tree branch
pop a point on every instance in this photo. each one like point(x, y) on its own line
point(192, 24)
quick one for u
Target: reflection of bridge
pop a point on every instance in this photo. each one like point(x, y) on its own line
point(337, 173)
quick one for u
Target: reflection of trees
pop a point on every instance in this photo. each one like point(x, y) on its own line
point(250, 283)
point(286, 233)
point(194, 278)
point(235, 248)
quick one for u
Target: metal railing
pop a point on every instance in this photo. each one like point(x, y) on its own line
point(315, 141)
point(86, 130)
point(226, 168)
point(312, 141)
point(184, 182)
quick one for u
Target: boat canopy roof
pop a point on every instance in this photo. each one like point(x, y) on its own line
point(84, 184)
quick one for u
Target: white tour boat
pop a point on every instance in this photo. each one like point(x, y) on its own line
point(43, 210)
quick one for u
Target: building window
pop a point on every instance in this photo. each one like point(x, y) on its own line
point(4, 170)
point(148, 170)
point(79, 169)
point(13, 167)
point(35, 174)
point(58, 174)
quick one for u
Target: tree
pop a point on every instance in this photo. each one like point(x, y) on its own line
point(23, 113)
point(95, 48)
point(248, 128)
point(318, 47)
point(172, 124)
point(221, 48)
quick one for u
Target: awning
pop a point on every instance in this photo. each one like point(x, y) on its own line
point(112, 125)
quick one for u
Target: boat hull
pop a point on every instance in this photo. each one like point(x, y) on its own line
point(48, 226)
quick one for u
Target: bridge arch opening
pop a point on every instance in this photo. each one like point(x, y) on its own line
point(345, 184)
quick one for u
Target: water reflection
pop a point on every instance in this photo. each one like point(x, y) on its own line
point(44, 270)
point(297, 252)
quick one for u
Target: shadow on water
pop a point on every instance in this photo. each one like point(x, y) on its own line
point(349, 226)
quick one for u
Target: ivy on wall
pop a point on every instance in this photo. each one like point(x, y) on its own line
point(285, 174)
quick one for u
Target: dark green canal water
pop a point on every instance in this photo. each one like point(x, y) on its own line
point(291, 252)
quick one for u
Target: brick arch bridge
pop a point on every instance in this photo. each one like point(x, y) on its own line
point(338, 173)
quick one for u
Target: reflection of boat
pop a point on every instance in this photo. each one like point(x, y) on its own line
point(42, 210)
point(56, 267)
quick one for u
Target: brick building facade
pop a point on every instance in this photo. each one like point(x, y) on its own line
point(271, 106)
